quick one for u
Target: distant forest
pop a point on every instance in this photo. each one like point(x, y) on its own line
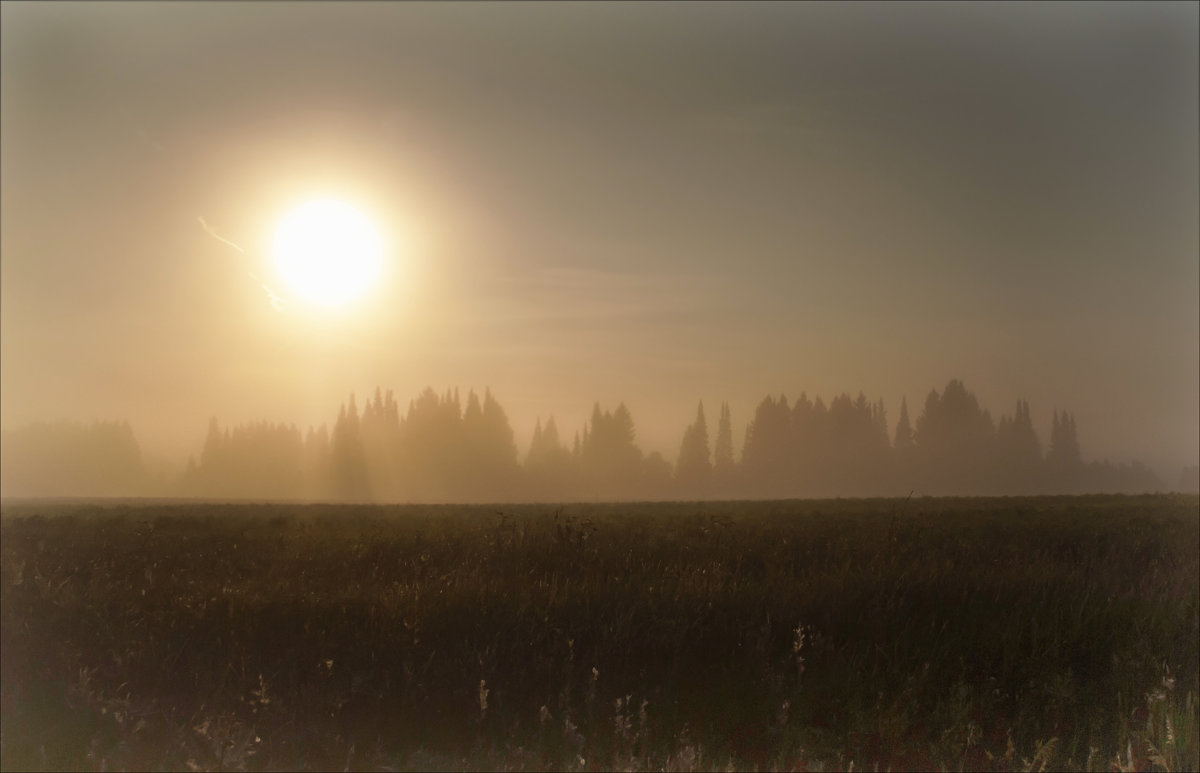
point(439, 450)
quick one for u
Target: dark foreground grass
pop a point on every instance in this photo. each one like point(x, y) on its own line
point(959, 634)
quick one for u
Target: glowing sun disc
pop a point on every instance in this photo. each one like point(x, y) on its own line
point(327, 252)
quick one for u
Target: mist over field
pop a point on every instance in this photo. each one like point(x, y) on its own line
point(646, 204)
point(445, 448)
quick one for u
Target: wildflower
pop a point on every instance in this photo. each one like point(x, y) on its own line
point(571, 733)
point(798, 645)
point(781, 717)
point(621, 722)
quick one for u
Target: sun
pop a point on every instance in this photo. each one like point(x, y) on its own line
point(327, 252)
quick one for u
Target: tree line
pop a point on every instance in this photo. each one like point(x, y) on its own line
point(445, 448)
point(70, 459)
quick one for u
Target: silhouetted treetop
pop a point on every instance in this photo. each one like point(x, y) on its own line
point(610, 459)
point(1064, 442)
point(694, 468)
point(904, 441)
point(723, 451)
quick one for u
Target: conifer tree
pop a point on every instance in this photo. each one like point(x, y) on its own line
point(1026, 444)
point(211, 454)
point(473, 416)
point(545, 448)
point(315, 465)
point(1064, 442)
point(723, 452)
point(379, 428)
point(535, 445)
point(550, 436)
point(767, 453)
point(694, 468)
point(549, 466)
point(611, 460)
point(347, 455)
point(879, 429)
point(499, 449)
point(1071, 440)
point(904, 433)
point(956, 441)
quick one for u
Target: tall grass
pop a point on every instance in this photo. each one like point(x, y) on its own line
point(959, 634)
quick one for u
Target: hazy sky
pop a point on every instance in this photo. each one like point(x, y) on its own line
point(654, 203)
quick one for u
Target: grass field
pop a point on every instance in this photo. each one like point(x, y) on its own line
point(982, 634)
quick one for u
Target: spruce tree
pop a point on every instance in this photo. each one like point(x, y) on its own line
point(347, 455)
point(694, 468)
point(535, 445)
point(723, 452)
point(904, 433)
